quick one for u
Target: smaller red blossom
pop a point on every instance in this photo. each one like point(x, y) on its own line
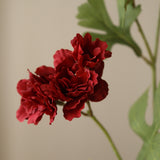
point(38, 96)
point(90, 53)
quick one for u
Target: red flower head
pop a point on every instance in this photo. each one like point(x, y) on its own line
point(38, 96)
point(76, 79)
point(90, 53)
point(76, 84)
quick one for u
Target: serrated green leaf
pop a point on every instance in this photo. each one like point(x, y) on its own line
point(142, 154)
point(127, 13)
point(137, 117)
point(92, 24)
point(95, 16)
point(150, 134)
point(156, 120)
point(150, 149)
point(100, 9)
point(121, 11)
point(111, 39)
point(131, 14)
point(94, 13)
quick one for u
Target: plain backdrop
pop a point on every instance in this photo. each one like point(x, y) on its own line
point(30, 33)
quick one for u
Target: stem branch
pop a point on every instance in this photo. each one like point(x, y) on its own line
point(154, 81)
point(90, 114)
point(157, 37)
point(143, 36)
point(146, 60)
point(108, 136)
point(144, 39)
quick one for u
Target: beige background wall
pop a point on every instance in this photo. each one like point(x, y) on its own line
point(31, 31)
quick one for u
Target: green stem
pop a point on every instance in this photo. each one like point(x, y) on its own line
point(155, 56)
point(154, 81)
point(143, 36)
point(90, 114)
point(90, 109)
point(152, 57)
point(157, 37)
point(108, 136)
point(146, 60)
point(145, 39)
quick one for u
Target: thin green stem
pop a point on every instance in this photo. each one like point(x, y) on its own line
point(144, 39)
point(108, 136)
point(90, 109)
point(155, 57)
point(154, 81)
point(143, 36)
point(146, 60)
point(157, 37)
point(83, 113)
point(90, 114)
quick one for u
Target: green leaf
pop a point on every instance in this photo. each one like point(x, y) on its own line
point(121, 10)
point(99, 6)
point(137, 117)
point(94, 15)
point(111, 39)
point(127, 13)
point(149, 134)
point(131, 15)
point(157, 108)
point(150, 149)
point(89, 18)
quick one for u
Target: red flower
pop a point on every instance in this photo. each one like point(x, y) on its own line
point(76, 79)
point(38, 96)
point(90, 53)
point(76, 84)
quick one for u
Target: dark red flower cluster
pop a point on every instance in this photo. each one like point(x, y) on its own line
point(75, 79)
